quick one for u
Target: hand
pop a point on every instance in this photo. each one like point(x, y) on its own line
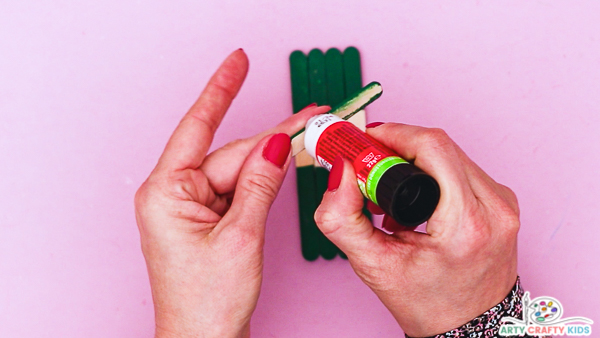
point(466, 262)
point(202, 218)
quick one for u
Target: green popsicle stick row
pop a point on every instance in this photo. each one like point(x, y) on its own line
point(325, 79)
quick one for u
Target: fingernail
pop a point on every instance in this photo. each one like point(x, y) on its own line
point(310, 105)
point(335, 175)
point(242, 49)
point(390, 225)
point(278, 149)
point(374, 208)
point(373, 124)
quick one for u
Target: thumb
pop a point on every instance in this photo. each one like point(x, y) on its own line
point(340, 216)
point(259, 181)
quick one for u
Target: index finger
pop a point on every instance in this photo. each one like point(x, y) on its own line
point(190, 142)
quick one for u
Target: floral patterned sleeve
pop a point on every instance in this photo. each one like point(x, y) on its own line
point(488, 324)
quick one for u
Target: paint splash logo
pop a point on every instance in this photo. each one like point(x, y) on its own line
point(543, 316)
point(546, 310)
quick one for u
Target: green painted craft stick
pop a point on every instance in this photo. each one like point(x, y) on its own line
point(305, 176)
point(299, 77)
point(327, 249)
point(316, 77)
point(318, 93)
point(352, 71)
point(334, 70)
point(305, 181)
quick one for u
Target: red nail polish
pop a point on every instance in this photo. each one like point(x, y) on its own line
point(335, 175)
point(373, 124)
point(374, 208)
point(310, 105)
point(391, 225)
point(278, 149)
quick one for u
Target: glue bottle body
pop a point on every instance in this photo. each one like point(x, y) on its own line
point(402, 190)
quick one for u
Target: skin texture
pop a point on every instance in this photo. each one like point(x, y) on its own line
point(466, 262)
point(202, 218)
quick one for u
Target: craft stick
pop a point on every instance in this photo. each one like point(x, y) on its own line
point(299, 77)
point(352, 71)
point(345, 110)
point(334, 71)
point(318, 93)
point(353, 82)
point(305, 176)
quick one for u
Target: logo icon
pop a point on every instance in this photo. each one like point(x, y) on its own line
point(368, 158)
point(543, 315)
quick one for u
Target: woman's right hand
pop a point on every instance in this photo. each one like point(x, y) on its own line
point(466, 262)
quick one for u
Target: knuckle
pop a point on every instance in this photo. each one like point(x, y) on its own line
point(331, 221)
point(142, 196)
point(261, 186)
point(511, 222)
point(511, 198)
point(327, 221)
point(149, 194)
point(507, 211)
point(436, 138)
point(143, 204)
point(180, 185)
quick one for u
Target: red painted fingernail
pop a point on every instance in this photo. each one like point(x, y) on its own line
point(278, 149)
point(335, 176)
point(310, 105)
point(391, 225)
point(374, 124)
point(374, 208)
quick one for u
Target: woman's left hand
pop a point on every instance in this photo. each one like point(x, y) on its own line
point(202, 218)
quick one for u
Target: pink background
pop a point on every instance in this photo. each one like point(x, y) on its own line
point(89, 94)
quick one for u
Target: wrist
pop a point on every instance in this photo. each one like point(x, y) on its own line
point(486, 324)
point(178, 329)
point(166, 333)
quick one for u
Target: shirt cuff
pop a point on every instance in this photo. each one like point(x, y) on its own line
point(488, 324)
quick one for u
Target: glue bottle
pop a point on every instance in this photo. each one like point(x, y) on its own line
point(399, 188)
